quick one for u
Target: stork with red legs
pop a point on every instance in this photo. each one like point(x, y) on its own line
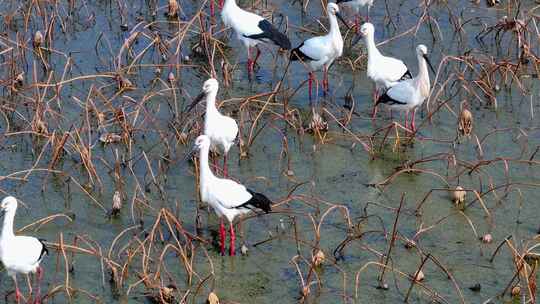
point(320, 52)
point(251, 30)
point(228, 198)
point(19, 254)
point(222, 130)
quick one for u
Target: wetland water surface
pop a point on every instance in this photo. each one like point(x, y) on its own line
point(124, 68)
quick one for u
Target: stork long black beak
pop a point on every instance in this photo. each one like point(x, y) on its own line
point(429, 63)
point(189, 155)
point(195, 101)
point(340, 17)
point(356, 39)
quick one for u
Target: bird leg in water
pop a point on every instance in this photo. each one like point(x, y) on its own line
point(222, 236)
point(367, 13)
point(249, 62)
point(325, 81)
point(256, 57)
point(310, 84)
point(413, 127)
point(224, 164)
point(39, 275)
point(17, 291)
point(214, 162)
point(406, 119)
point(29, 286)
point(233, 239)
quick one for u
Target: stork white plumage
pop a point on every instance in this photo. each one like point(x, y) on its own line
point(19, 254)
point(222, 130)
point(228, 198)
point(356, 5)
point(409, 94)
point(252, 29)
point(320, 52)
point(384, 71)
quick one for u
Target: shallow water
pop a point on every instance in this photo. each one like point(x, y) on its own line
point(336, 172)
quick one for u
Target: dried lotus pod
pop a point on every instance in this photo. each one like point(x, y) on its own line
point(173, 9)
point(38, 39)
point(317, 123)
point(318, 258)
point(465, 123)
point(212, 298)
point(458, 195)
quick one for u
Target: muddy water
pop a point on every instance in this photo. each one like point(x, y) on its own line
point(336, 172)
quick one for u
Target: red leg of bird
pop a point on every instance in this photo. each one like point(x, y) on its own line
point(325, 81)
point(212, 8)
point(39, 275)
point(220, 4)
point(256, 57)
point(214, 162)
point(225, 165)
point(249, 62)
point(310, 84)
point(222, 236)
point(406, 119)
point(17, 292)
point(233, 239)
point(413, 127)
point(356, 24)
point(375, 97)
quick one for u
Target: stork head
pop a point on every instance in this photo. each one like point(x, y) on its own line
point(9, 203)
point(367, 29)
point(422, 52)
point(209, 86)
point(202, 141)
point(333, 10)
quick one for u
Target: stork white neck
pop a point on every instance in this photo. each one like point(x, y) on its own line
point(205, 172)
point(422, 79)
point(211, 102)
point(7, 227)
point(334, 26)
point(373, 52)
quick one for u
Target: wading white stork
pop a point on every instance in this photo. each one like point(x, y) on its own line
point(407, 95)
point(228, 198)
point(222, 130)
point(19, 254)
point(252, 29)
point(320, 52)
point(384, 71)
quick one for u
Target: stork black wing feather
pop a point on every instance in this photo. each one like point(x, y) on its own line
point(388, 100)
point(407, 75)
point(271, 33)
point(257, 200)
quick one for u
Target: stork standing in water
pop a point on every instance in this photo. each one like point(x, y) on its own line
point(356, 5)
point(228, 198)
point(222, 130)
point(252, 29)
point(321, 51)
point(19, 254)
point(409, 94)
point(384, 71)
